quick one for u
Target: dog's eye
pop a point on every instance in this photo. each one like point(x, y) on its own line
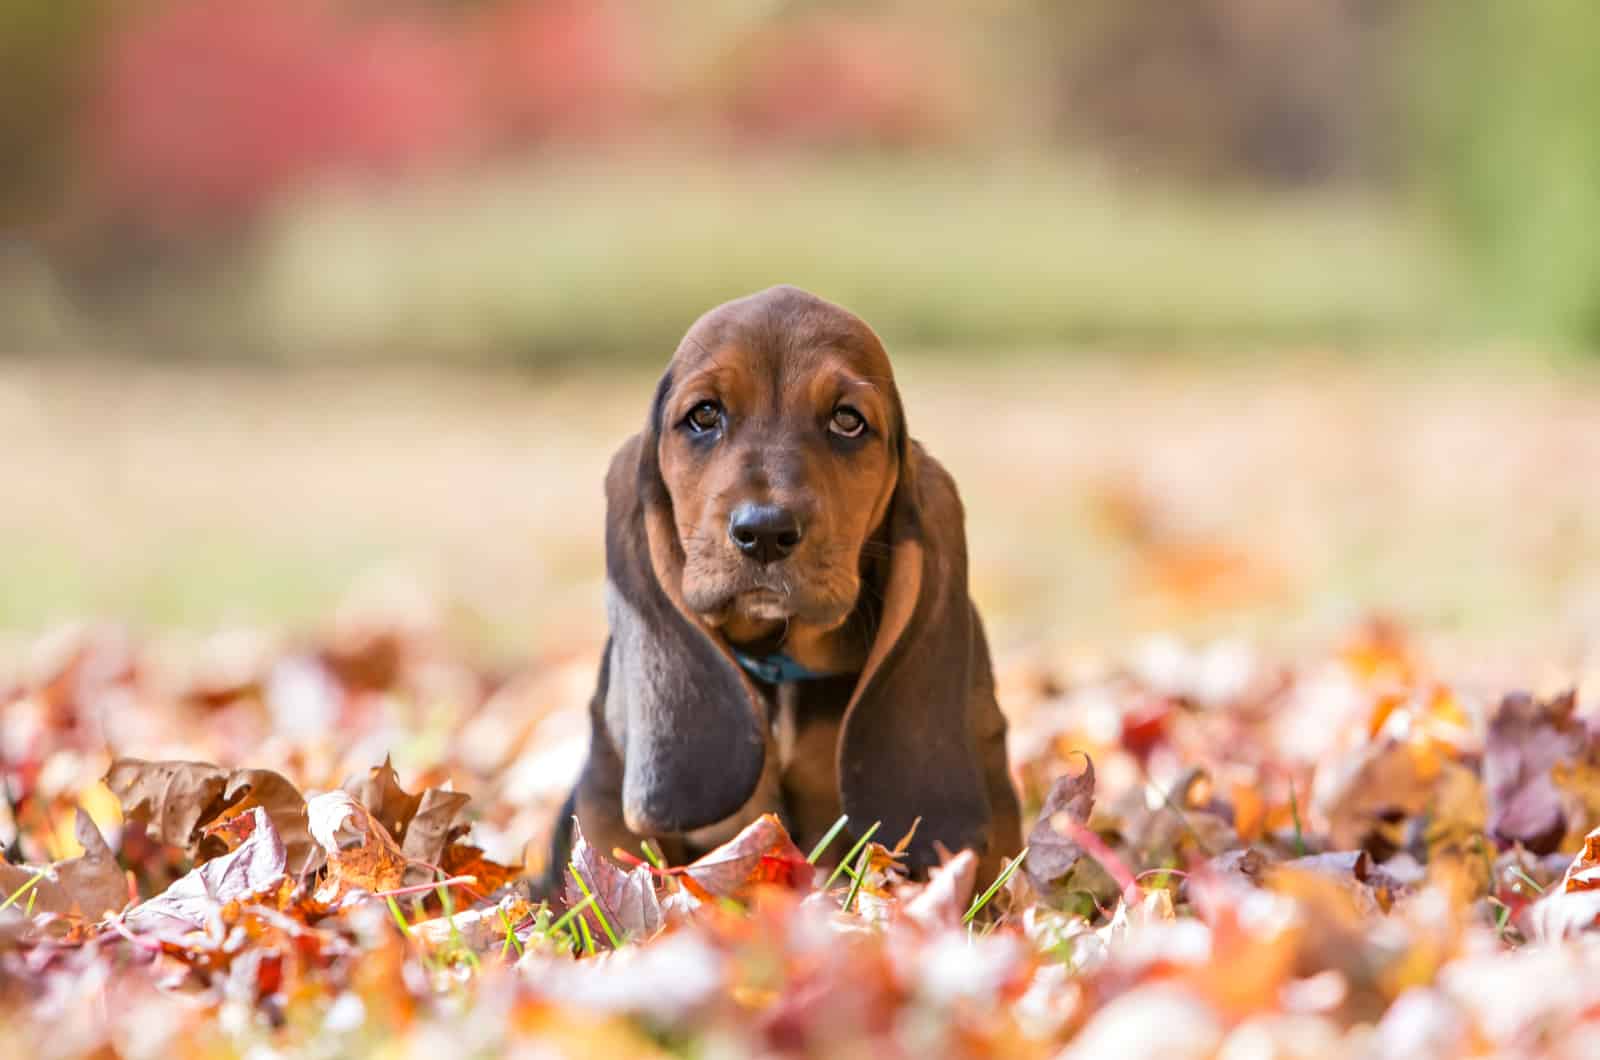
point(706, 416)
point(847, 422)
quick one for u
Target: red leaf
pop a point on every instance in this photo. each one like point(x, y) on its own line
point(761, 854)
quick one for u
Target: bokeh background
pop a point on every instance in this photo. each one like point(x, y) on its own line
point(1230, 316)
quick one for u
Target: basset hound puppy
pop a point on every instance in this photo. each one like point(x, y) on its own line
point(787, 595)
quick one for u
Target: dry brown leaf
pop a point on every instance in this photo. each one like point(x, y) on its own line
point(88, 886)
point(423, 825)
point(251, 788)
point(187, 804)
point(1052, 853)
point(1394, 783)
point(433, 828)
point(362, 856)
point(173, 799)
point(380, 792)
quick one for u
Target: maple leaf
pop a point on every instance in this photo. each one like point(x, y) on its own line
point(762, 853)
point(1052, 853)
point(362, 856)
point(424, 825)
point(433, 827)
point(285, 807)
point(87, 886)
point(380, 792)
point(191, 805)
point(173, 799)
point(259, 867)
point(624, 901)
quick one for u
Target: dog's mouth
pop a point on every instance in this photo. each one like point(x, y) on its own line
point(763, 605)
point(779, 593)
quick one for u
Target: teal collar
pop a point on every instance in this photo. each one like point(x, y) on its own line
point(776, 668)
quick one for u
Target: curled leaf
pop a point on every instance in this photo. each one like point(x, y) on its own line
point(361, 853)
point(173, 799)
point(424, 825)
point(1052, 853)
point(256, 869)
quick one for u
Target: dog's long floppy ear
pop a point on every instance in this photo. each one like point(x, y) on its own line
point(681, 714)
point(907, 749)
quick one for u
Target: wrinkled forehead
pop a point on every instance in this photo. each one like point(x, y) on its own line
point(785, 344)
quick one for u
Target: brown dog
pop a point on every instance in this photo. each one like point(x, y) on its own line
point(787, 594)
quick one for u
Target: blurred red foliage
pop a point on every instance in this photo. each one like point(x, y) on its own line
point(207, 111)
point(204, 113)
point(562, 69)
point(840, 80)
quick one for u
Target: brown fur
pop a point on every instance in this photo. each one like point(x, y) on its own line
point(686, 747)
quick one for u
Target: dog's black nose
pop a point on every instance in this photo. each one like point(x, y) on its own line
point(764, 532)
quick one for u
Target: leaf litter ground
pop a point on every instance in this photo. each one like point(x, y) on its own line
point(216, 855)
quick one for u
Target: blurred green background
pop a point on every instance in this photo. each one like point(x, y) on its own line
point(526, 182)
point(291, 290)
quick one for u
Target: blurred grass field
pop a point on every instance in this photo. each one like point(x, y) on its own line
point(1105, 497)
point(592, 263)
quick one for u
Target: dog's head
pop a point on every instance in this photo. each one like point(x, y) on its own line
point(773, 481)
point(779, 439)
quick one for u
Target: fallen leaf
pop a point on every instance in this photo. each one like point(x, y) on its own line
point(626, 900)
point(1393, 783)
point(187, 804)
point(88, 886)
point(944, 900)
point(432, 828)
point(285, 806)
point(464, 859)
point(173, 799)
point(362, 856)
point(257, 868)
point(1052, 854)
point(480, 930)
point(1528, 738)
point(424, 825)
point(380, 792)
point(762, 853)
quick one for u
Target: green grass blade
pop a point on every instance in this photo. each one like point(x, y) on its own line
point(399, 917)
point(511, 936)
point(855, 880)
point(848, 858)
point(566, 918)
point(28, 885)
point(1299, 834)
point(994, 888)
point(823, 843)
point(588, 939)
point(599, 913)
